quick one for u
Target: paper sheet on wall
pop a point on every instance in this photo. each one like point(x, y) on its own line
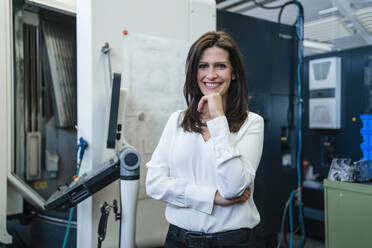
point(154, 74)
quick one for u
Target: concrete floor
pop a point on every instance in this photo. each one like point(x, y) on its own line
point(22, 237)
point(313, 243)
point(309, 243)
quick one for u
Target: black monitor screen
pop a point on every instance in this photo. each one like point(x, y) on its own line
point(115, 98)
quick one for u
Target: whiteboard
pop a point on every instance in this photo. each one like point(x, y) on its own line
point(154, 75)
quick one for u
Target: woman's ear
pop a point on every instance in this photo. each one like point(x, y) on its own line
point(233, 77)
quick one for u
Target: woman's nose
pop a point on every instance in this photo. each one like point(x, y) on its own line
point(211, 73)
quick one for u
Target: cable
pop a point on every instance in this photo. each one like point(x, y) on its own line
point(68, 227)
point(267, 7)
point(301, 11)
point(302, 225)
point(281, 237)
point(281, 7)
point(300, 33)
point(81, 147)
point(290, 218)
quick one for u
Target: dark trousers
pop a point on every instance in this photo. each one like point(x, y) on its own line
point(181, 238)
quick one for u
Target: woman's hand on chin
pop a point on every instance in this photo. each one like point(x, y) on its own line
point(210, 106)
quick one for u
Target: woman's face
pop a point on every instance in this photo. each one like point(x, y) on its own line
point(215, 72)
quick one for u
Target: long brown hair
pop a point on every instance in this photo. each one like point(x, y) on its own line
point(237, 98)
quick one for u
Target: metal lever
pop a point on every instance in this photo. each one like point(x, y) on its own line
point(102, 226)
point(106, 50)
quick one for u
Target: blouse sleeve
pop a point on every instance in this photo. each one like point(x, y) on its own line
point(236, 163)
point(179, 192)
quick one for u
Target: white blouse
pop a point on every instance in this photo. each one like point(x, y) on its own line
point(185, 172)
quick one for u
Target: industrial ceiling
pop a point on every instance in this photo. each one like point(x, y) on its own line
point(330, 25)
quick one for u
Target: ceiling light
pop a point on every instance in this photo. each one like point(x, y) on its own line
point(364, 17)
point(326, 29)
point(327, 11)
point(320, 46)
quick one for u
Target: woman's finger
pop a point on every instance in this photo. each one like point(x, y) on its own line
point(201, 103)
point(247, 194)
point(243, 198)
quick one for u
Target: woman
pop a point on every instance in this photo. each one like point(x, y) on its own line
point(205, 163)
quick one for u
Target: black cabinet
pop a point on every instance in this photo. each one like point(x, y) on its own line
point(270, 56)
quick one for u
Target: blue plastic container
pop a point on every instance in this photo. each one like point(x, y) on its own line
point(366, 133)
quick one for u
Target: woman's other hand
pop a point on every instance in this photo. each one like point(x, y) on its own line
point(219, 200)
point(211, 106)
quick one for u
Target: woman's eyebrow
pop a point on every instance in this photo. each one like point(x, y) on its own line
point(217, 62)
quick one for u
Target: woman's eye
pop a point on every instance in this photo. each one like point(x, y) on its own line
point(221, 66)
point(203, 66)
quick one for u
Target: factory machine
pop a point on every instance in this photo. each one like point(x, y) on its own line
point(56, 71)
point(337, 90)
point(270, 56)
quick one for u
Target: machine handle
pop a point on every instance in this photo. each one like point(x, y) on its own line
point(102, 226)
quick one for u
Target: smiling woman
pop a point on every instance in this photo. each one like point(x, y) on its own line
point(215, 59)
point(215, 72)
point(206, 160)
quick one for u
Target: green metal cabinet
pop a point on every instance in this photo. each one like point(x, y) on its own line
point(348, 214)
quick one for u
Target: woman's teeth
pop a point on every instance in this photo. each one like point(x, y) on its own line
point(211, 85)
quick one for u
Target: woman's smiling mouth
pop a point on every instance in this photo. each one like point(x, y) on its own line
point(212, 85)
